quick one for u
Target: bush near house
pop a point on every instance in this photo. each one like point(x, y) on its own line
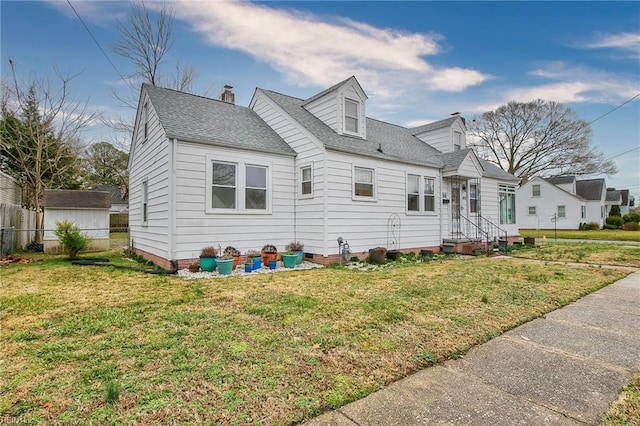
point(631, 217)
point(631, 226)
point(613, 222)
point(71, 238)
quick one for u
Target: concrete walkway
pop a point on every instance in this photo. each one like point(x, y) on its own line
point(563, 369)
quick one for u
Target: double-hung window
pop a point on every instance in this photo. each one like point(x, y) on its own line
point(306, 181)
point(535, 190)
point(145, 201)
point(413, 193)
point(364, 183)
point(145, 119)
point(237, 186)
point(583, 210)
point(473, 197)
point(351, 115)
point(457, 141)
point(429, 194)
point(507, 204)
point(532, 210)
point(562, 211)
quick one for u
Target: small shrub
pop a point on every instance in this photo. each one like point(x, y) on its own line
point(631, 226)
point(591, 226)
point(607, 226)
point(70, 237)
point(253, 253)
point(208, 252)
point(294, 246)
point(615, 211)
point(269, 248)
point(631, 217)
point(615, 221)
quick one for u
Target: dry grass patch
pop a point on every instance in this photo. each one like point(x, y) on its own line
point(593, 253)
point(597, 235)
point(626, 410)
point(93, 345)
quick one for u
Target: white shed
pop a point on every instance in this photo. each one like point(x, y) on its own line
point(88, 210)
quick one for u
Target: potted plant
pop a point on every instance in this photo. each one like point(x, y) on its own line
point(296, 247)
point(248, 265)
point(273, 264)
point(269, 252)
point(289, 259)
point(208, 259)
point(377, 255)
point(255, 257)
point(225, 264)
point(233, 252)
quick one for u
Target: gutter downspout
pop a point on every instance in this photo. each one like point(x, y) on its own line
point(440, 205)
point(325, 248)
point(172, 201)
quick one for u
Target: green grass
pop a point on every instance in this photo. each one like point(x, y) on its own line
point(600, 235)
point(593, 253)
point(85, 345)
point(626, 410)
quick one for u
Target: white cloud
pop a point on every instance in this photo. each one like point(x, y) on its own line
point(310, 51)
point(624, 41)
point(101, 13)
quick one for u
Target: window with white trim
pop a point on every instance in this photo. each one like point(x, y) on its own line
point(363, 182)
point(223, 185)
point(429, 194)
point(351, 116)
point(562, 211)
point(535, 190)
point(413, 193)
point(145, 120)
point(457, 141)
point(306, 181)
point(237, 186)
point(507, 204)
point(145, 201)
point(532, 210)
point(255, 188)
point(584, 211)
point(473, 197)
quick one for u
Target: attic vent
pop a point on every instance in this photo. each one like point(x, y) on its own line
point(227, 95)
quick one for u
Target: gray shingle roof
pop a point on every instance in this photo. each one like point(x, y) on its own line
point(396, 143)
point(561, 180)
point(493, 171)
point(453, 160)
point(613, 195)
point(590, 189)
point(115, 192)
point(433, 126)
point(68, 198)
point(198, 119)
point(329, 90)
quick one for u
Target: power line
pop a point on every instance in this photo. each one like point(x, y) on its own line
point(610, 111)
point(96, 42)
point(623, 153)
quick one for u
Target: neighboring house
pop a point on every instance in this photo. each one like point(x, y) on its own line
point(204, 171)
point(119, 210)
point(620, 198)
point(17, 223)
point(561, 202)
point(88, 210)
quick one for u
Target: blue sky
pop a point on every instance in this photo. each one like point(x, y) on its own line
point(417, 61)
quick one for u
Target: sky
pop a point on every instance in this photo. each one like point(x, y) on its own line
point(417, 61)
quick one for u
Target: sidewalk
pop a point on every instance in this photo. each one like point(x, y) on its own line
point(563, 369)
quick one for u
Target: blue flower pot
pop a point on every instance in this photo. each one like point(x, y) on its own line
point(208, 264)
point(273, 264)
point(299, 254)
point(248, 267)
point(289, 260)
point(257, 262)
point(225, 266)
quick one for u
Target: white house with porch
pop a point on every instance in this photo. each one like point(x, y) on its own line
point(208, 172)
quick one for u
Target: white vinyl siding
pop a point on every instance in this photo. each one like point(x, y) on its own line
point(546, 207)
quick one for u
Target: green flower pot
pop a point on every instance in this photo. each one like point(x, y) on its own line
point(208, 264)
point(225, 266)
point(289, 260)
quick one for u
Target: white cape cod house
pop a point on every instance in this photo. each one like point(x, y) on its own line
point(207, 172)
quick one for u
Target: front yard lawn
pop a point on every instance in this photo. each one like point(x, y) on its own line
point(595, 253)
point(599, 235)
point(83, 344)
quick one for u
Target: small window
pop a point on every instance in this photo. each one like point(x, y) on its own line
point(145, 119)
point(584, 211)
point(351, 116)
point(457, 141)
point(561, 211)
point(223, 186)
point(363, 182)
point(536, 190)
point(413, 193)
point(145, 201)
point(255, 188)
point(429, 195)
point(532, 210)
point(473, 197)
point(306, 180)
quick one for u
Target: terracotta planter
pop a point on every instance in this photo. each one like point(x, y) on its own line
point(236, 259)
point(266, 257)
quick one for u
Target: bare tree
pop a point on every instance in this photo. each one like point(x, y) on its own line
point(537, 138)
point(40, 128)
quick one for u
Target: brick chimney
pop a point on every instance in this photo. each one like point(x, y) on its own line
point(228, 96)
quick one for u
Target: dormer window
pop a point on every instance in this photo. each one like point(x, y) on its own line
point(351, 115)
point(457, 141)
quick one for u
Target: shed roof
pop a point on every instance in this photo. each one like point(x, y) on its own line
point(199, 119)
point(590, 189)
point(67, 198)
